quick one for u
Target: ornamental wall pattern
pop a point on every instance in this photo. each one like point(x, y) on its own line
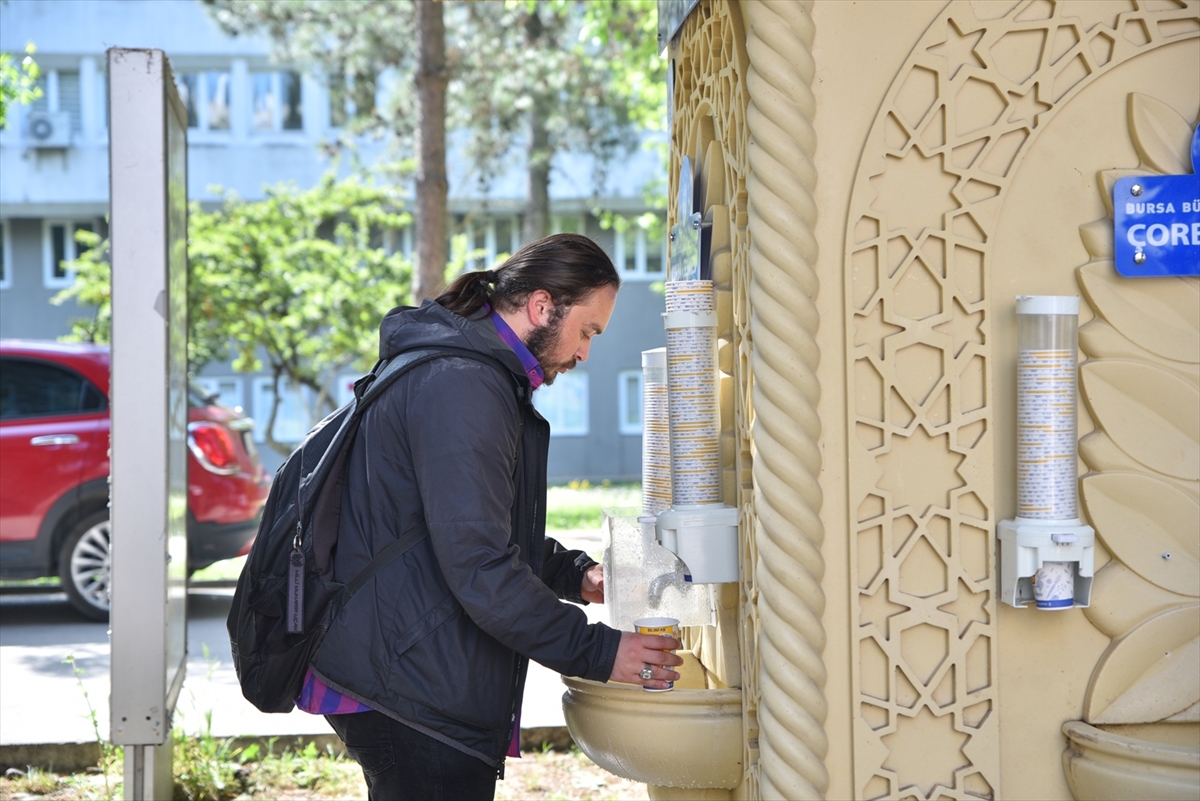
point(945, 145)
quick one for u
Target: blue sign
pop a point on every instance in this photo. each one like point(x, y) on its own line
point(1156, 225)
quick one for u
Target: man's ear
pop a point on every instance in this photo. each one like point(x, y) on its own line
point(539, 307)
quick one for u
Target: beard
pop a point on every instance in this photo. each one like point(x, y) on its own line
point(543, 340)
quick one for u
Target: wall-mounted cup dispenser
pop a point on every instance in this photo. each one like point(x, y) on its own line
point(1046, 553)
point(705, 540)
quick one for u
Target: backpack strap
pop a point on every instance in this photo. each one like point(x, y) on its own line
point(385, 557)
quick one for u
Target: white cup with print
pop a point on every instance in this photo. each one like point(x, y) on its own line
point(662, 627)
point(1054, 585)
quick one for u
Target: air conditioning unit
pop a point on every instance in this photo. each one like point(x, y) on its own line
point(48, 128)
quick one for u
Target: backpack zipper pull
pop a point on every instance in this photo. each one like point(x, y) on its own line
point(295, 610)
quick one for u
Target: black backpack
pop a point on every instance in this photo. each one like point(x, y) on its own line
point(285, 601)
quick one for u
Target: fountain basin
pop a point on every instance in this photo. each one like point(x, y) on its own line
point(1102, 765)
point(686, 738)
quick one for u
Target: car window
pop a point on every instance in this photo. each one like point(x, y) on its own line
point(38, 389)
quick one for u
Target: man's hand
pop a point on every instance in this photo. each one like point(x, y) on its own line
point(593, 585)
point(636, 651)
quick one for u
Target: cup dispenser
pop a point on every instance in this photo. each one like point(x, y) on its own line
point(1046, 552)
point(700, 529)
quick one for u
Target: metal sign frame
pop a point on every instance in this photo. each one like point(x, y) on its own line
point(148, 197)
point(671, 15)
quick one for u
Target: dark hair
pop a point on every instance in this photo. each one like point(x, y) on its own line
point(568, 266)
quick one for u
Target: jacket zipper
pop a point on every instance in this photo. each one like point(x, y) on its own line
point(531, 525)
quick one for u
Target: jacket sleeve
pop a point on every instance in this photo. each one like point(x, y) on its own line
point(563, 570)
point(463, 435)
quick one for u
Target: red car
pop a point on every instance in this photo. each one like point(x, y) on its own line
point(54, 440)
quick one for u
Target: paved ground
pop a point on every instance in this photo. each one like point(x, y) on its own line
point(43, 701)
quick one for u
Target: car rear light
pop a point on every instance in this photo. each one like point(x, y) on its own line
point(213, 447)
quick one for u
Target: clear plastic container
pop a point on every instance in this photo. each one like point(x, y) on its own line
point(1047, 428)
point(644, 579)
point(1047, 392)
point(656, 433)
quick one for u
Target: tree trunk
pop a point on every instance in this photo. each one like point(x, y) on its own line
point(537, 204)
point(269, 435)
point(432, 187)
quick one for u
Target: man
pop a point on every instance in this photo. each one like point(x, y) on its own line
point(422, 673)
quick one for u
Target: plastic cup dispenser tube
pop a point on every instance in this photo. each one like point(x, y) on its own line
point(656, 433)
point(1046, 552)
point(698, 527)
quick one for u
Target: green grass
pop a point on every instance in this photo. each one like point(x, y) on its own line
point(45, 581)
point(574, 506)
point(580, 505)
point(225, 570)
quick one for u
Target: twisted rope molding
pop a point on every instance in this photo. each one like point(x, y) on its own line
point(783, 325)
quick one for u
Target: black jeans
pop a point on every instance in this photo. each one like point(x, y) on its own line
point(400, 763)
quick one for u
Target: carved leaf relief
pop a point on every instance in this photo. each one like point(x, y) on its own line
point(1121, 599)
point(1097, 239)
point(1149, 525)
point(1108, 179)
point(1160, 134)
point(1161, 315)
point(1149, 674)
point(1148, 412)
point(1101, 341)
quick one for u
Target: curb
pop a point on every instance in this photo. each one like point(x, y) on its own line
point(58, 757)
point(78, 757)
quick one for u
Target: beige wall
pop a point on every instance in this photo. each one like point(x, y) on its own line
point(883, 178)
point(958, 152)
point(859, 47)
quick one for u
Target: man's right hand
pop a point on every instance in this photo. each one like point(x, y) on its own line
point(636, 651)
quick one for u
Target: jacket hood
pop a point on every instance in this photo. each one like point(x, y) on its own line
point(433, 326)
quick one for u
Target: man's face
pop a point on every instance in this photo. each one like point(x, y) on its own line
point(566, 337)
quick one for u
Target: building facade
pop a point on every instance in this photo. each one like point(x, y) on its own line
point(252, 123)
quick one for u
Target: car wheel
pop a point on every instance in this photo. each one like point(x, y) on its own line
point(85, 565)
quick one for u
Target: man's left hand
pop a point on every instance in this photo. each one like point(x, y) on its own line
point(593, 584)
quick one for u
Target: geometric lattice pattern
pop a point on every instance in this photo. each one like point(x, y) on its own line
point(973, 94)
point(708, 125)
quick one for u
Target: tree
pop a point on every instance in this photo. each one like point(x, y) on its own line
point(299, 280)
point(552, 75)
point(354, 44)
point(537, 75)
point(18, 84)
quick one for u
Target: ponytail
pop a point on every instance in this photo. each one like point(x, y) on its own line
point(467, 294)
point(568, 266)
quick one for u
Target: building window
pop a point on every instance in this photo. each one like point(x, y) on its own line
point(350, 96)
point(58, 246)
point(292, 418)
point(475, 244)
point(101, 87)
point(60, 92)
point(567, 224)
point(6, 262)
point(226, 390)
point(504, 237)
point(277, 102)
point(206, 95)
point(638, 254)
point(564, 404)
point(629, 401)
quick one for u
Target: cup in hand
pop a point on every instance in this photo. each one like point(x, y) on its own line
point(661, 626)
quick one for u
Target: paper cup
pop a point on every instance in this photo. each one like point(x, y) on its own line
point(663, 626)
point(1054, 585)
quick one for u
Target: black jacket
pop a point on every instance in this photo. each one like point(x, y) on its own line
point(440, 639)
